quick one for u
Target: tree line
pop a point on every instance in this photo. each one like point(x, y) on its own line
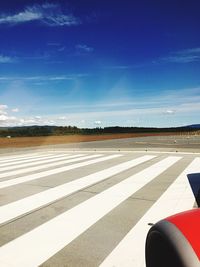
point(72, 130)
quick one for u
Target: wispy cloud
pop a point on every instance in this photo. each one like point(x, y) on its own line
point(53, 44)
point(183, 56)
point(119, 67)
point(58, 46)
point(166, 99)
point(126, 67)
point(195, 50)
point(83, 48)
point(6, 59)
point(50, 14)
point(42, 78)
point(61, 49)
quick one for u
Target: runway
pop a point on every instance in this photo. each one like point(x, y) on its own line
point(87, 208)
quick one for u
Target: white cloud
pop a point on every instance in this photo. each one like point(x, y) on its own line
point(49, 14)
point(51, 122)
point(4, 118)
point(169, 112)
point(62, 118)
point(28, 121)
point(38, 118)
point(15, 110)
point(21, 17)
point(97, 122)
point(3, 109)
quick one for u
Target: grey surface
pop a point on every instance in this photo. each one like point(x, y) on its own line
point(90, 248)
point(188, 143)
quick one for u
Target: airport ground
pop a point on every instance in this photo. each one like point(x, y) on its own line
point(91, 204)
point(159, 142)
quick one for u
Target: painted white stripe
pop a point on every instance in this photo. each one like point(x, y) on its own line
point(46, 240)
point(39, 161)
point(16, 158)
point(177, 198)
point(40, 175)
point(21, 161)
point(49, 165)
point(22, 206)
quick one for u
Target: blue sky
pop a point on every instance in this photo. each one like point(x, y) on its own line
point(100, 63)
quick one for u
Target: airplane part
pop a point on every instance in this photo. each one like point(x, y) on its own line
point(175, 241)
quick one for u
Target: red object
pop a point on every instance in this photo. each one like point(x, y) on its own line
point(189, 224)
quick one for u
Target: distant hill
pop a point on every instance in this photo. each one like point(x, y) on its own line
point(193, 126)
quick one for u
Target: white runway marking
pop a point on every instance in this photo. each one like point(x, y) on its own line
point(36, 160)
point(40, 175)
point(68, 159)
point(20, 207)
point(40, 161)
point(16, 158)
point(47, 239)
point(177, 198)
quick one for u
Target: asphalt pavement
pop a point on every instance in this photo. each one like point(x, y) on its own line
point(91, 204)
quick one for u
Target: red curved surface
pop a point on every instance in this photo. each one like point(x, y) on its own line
point(189, 224)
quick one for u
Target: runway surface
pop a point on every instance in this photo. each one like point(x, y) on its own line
point(85, 208)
